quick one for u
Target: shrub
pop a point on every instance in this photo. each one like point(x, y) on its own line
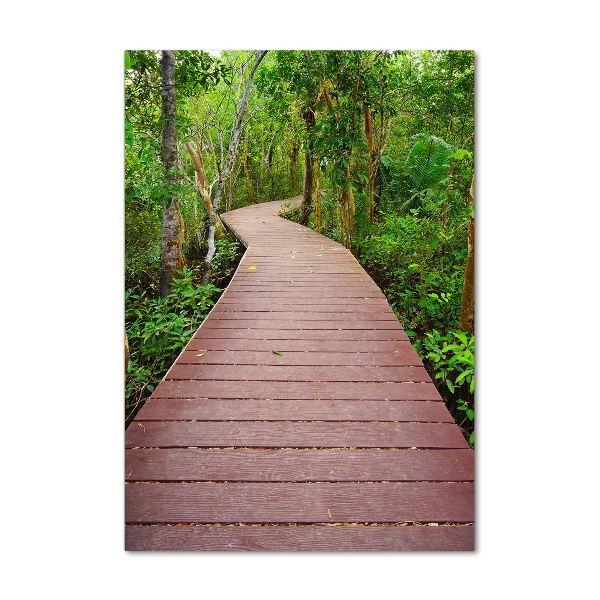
point(158, 329)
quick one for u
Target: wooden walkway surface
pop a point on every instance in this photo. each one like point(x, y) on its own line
point(299, 417)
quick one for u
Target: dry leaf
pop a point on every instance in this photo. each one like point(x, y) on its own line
point(329, 513)
point(251, 268)
point(200, 354)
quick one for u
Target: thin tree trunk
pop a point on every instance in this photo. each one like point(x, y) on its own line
point(373, 162)
point(309, 120)
point(126, 353)
point(468, 295)
point(233, 146)
point(250, 196)
point(294, 165)
point(229, 202)
point(318, 196)
point(172, 237)
point(346, 211)
point(198, 163)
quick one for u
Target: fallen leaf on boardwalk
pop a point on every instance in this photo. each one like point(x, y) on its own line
point(294, 252)
point(251, 268)
point(332, 402)
point(329, 513)
point(276, 352)
point(320, 255)
point(367, 298)
point(200, 354)
point(413, 448)
point(142, 426)
point(130, 472)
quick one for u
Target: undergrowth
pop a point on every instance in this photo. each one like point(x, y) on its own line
point(159, 328)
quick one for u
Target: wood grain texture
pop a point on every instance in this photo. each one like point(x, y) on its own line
point(303, 537)
point(271, 373)
point(298, 417)
point(201, 343)
point(406, 358)
point(201, 409)
point(298, 502)
point(298, 465)
point(294, 434)
point(297, 390)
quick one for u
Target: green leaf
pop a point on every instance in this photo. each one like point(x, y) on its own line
point(471, 414)
point(460, 154)
point(127, 60)
point(450, 385)
point(472, 439)
point(276, 352)
point(462, 376)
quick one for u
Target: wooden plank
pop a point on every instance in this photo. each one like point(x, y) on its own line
point(323, 359)
point(302, 537)
point(297, 391)
point(328, 316)
point(320, 326)
point(293, 434)
point(201, 343)
point(356, 335)
point(298, 465)
point(349, 305)
point(157, 409)
point(297, 292)
point(269, 373)
point(298, 502)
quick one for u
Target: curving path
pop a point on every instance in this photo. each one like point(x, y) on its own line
point(298, 417)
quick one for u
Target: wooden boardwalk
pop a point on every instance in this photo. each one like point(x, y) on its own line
point(299, 417)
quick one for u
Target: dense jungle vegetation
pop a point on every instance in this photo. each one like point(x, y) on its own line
point(380, 144)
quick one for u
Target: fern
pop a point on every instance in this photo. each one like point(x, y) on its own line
point(428, 162)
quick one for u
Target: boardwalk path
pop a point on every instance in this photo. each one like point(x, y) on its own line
point(337, 441)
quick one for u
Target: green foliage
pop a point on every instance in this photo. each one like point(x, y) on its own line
point(427, 166)
point(419, 265)
point(142, 244)
point(227, 257)
point(451, 357)
point(158, 329)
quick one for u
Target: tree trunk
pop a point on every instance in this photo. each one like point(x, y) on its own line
point(233, 146)
point(318, 196)
point(468, 295)
point(294, 165)
point(249, 195)
point(126, 353)
point(172, 237)
point(309, 120)
point(346, 210)
point(368, 120)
